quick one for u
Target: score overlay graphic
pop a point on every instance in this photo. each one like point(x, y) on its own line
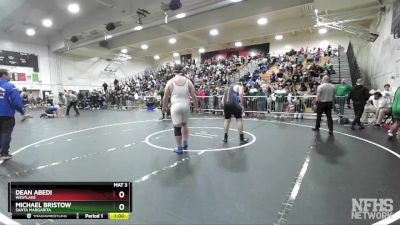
point(70, 200)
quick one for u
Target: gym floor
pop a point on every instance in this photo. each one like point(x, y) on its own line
point(287, 174)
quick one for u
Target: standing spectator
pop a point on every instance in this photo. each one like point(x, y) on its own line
point(50, 98)
point(207, 95)
point(116, 82)
point(61, 98)
point(325, 97)
point(359, 94)
point(342, 92)
point(280, 95)
point(395, 113)
point(105, 87)
point(161, 94)
point(386, 92)
point(215, 101)
point(31, 99)
point(72, 101)
point(10, 101)
point(202, 96)
point(261, 100)
point(25, 97)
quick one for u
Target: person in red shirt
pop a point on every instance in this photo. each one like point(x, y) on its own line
point(202, 96)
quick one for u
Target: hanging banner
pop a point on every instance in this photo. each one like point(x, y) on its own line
point(24, 74)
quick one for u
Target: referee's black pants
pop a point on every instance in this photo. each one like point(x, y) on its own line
point(72, 104)
point(324, 107)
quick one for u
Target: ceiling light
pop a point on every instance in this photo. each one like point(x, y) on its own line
point(172, 40)
point(262, 21)
point(30, 32)
point(238, 44)
point(73, 8)
point(144, 46)
point(279, 37)
point(236, 0)
point(138, 27)
point(323, 30)
point(156, 57)
point(47, 22)
point(214, 32)
point(181, 15)
point(202, 50)
point(124, 50)
point(108, 36)
point(175, 54)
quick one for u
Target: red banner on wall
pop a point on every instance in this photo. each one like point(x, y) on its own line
point(21, 77)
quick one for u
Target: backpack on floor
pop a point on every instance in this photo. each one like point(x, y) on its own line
point(344, 121)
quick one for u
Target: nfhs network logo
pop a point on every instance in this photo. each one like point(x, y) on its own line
point(371, 208)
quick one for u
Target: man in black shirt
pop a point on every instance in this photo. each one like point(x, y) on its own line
point(105, 86)
point(359, 94)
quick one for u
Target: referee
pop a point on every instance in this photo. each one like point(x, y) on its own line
point(325, 96)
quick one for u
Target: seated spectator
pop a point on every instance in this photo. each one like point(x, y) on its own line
point(384, 111)
point(273, 77)
point(375, 103)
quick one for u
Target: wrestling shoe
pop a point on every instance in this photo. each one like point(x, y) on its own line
point(6, 157)
point(244, 141)
point(179, 150)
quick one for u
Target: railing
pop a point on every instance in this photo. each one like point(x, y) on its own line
point(297, 106)
point(354, 69)
point(285, 105)
point(340, 69)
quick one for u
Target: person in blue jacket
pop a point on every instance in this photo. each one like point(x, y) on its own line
point(10, 101)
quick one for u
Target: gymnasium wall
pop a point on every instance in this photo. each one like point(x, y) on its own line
point(89, 74)
point(306, 39)
point(380, 61)
point(43, 57)
point(59, 72)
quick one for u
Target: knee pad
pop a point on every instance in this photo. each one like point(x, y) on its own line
point(178, 131)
